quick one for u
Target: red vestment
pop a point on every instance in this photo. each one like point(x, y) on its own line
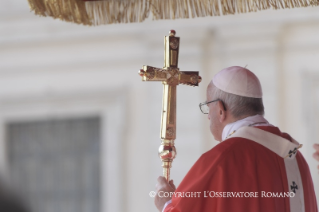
point(241, 165)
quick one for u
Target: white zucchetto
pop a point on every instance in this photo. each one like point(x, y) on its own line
point(238, 80)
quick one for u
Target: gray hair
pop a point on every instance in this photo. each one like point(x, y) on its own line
point(238, 106)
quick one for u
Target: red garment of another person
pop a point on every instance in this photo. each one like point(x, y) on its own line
point(241, 165)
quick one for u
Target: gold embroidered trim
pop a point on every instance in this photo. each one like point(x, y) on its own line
point(230, 134)
point(125, 11)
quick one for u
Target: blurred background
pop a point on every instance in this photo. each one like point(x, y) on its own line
point(79, 130)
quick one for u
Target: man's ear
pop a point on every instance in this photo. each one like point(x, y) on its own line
point(222, 112)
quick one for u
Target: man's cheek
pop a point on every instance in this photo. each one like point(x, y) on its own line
point(211, 124)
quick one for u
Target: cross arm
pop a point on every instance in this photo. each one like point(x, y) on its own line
point(171, 76)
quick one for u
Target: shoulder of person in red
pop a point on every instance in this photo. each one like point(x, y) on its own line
point(241, 165)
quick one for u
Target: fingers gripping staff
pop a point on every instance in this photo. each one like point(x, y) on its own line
point(170, 76)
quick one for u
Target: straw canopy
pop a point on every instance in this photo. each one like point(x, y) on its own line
point(90, 12)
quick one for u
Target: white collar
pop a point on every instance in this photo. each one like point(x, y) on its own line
point(256, 120)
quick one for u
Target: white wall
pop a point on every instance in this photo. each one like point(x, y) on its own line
point(46, 58)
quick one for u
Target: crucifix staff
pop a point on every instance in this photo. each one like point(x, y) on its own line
point(170, 76)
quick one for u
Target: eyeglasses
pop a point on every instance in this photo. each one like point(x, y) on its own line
point(204, 106)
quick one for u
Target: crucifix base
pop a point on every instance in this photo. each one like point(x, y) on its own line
point(167, 153)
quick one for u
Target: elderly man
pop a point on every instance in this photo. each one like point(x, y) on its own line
point(256, 167)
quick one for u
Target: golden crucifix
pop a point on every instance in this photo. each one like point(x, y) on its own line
point(170, 77)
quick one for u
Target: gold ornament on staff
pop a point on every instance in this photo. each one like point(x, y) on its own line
point(170, 76)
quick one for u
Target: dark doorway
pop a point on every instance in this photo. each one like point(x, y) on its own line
point(56, 163)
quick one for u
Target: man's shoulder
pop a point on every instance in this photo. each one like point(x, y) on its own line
point(242, 147)
point(223, 157)
point(229, 147)
point(230, 144)
point(276, 131)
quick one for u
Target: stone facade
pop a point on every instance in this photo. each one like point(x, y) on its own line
point(51, 69)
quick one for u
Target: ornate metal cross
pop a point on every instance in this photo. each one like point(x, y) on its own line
point(170, 76)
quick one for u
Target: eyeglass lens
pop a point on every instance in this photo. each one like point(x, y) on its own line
point(205, 108)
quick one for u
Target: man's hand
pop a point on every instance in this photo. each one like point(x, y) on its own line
point(163, 189)
point(316, 154)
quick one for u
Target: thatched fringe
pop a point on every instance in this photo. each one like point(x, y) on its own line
point(117, 11)
point(66, 10)
point(90, 12)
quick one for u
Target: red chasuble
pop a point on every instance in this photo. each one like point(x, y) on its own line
point(240, 175)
